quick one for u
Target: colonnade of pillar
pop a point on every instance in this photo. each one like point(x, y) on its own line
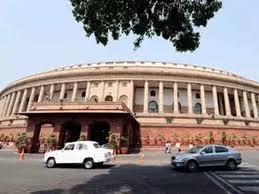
point(203, 100)
point(18, 101)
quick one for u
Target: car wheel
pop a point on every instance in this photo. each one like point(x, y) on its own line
point(192, 166)
point(51, 163)
point(88, 163)
point(231, 165)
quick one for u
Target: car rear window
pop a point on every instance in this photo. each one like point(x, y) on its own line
point(96, 145)
point(219, 149)
point(70, 147)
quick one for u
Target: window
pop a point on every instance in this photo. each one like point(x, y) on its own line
point(219, 149)
point(124, 99)
point(81, 146)
point(208, 150)
point(197, 95)
point(96, 145)
point(70, 147)
point(65, 95)
point(109, 84)
point(96, 84)
point(94, 99)
point(197, 108)
point(108, 98)
point(124, 84)
point(152, 107)
point(152, 93)
point(82, 94)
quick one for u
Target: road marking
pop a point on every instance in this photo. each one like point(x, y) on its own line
point(225, 182)
point(217, 183)
point(239, 176)
point(250, 188)
point(243, 181)
point(236, 172)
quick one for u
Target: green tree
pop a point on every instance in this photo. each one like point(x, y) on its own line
point(175, 20)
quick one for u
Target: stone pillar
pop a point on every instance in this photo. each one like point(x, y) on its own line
point(131, 96)
point(145, 106)
point(226, 99)
point(254, 106)
point(176, 108)
point(31, 99)
point(87, 91)
point(22, 105)
point(51, 92)
point(189, 96)
point(10, 107)
point(161, 97)
point(102, 88)
point(7, 105)
point(62, 91)
point(41, 94)
point(16, 103)
point(237, 104)
point(75, 88)
point(215, 100)
point(4, 105)
point(203, 100)
point(116, 94)
point(247, 110)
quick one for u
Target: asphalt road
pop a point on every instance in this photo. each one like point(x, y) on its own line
point(126, 175)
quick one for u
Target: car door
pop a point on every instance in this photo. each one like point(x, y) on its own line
point(80, 153)
point(221, 155)
point(65, 156)
point(206, 157)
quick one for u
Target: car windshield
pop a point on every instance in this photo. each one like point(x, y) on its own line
point(96, 145)
point(195, 150)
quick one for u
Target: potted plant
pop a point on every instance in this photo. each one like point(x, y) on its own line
point(22, 142)
point(161, 138)
point(51, 142)
point(147, 139)
point(124, 142)
point(224, 138)
point(254, 140)
point(113, 142)
point(211, 138)
point(82, 138)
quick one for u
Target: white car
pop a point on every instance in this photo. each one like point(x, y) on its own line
point(87, 153)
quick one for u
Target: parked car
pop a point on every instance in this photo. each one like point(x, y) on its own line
point(87, 153)
point(208, 155)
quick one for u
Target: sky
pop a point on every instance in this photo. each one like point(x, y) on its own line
point(38, 36)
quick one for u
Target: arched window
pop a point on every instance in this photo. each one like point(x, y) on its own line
point(108, 98)
point(179, 107)
point(94, 99)
point(152, 107)
point(124, 99)
point(197, 108)
point(152, 93)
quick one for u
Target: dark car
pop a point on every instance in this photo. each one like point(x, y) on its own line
point(208, 155)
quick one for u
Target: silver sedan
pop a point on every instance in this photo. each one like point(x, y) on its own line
point(208, 155)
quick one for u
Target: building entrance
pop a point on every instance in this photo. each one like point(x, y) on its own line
point(100, 132)
point(70, 131)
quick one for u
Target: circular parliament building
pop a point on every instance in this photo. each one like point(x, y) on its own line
point(146, 102)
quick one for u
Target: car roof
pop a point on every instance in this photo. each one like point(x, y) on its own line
point(84, 142)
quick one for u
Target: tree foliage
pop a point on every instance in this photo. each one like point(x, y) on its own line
point(175, 20)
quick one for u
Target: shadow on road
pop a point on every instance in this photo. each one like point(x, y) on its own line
point(140, 179)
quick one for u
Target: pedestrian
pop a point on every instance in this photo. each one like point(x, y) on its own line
point(178, 147)
point(169, 147)
point(190, 146)
point(166, 147)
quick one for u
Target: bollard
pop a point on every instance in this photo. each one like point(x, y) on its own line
point(21, 157)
